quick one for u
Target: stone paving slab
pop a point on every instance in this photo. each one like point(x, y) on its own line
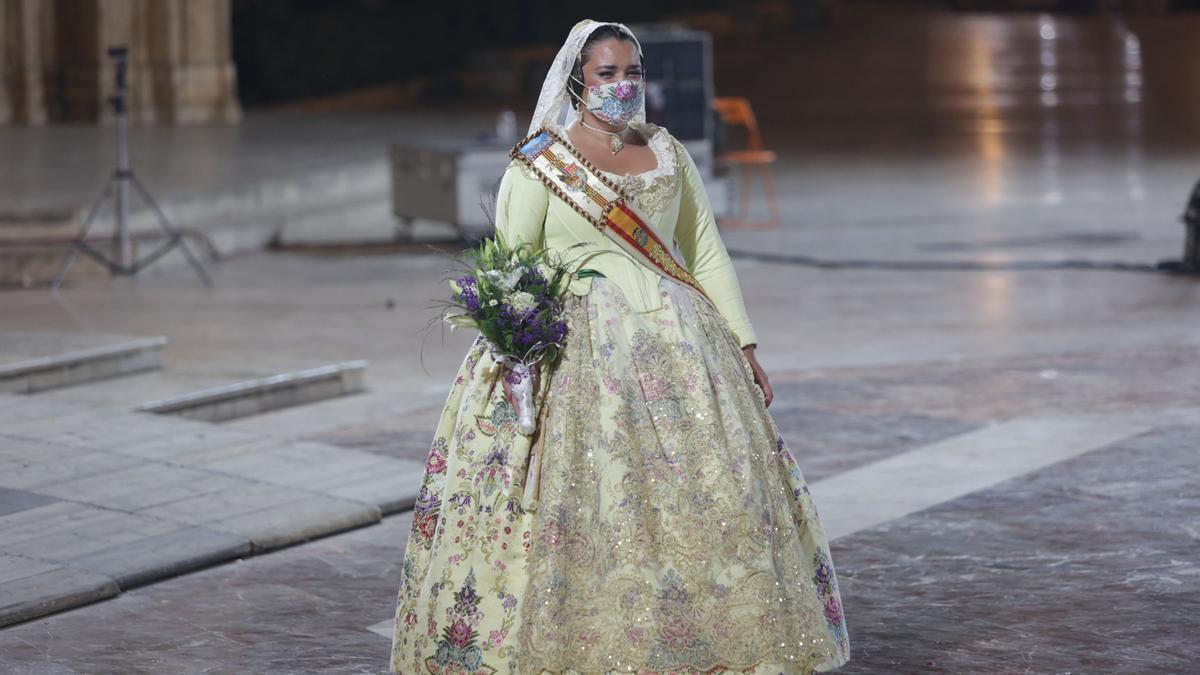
point(174, 552)
point(85, 533)
point(12, 501)
point(227, 504)
point(300, 520)
point(33, 588)
point(141, 486)
point(96, 499)
point(14, 567)
point(111, 431)
point(15, 409)
point(1085, 566)
point(298, 464)
point(380, 489)
point(41, 464)
point(48, 521)
point(970, 462)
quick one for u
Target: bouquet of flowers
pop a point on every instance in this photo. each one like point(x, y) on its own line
point(513, 295)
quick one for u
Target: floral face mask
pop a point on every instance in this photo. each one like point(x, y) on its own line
point(615, 102)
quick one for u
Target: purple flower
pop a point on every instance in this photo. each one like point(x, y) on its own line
point(469, 293)
point(498, 455)
point(466, 598)
point(559, 331)
point(824, 574)
point(470, 300)
point(427, 501)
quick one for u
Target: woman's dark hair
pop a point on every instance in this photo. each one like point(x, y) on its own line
point(585, 53)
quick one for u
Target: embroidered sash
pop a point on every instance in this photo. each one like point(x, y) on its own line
point(580, 184)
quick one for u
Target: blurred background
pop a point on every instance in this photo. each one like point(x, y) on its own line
point(966, 233)
point(1002, 98)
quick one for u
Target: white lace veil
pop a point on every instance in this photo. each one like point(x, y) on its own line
point(554, 96)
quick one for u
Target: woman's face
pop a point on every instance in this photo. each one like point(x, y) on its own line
point(610, 60)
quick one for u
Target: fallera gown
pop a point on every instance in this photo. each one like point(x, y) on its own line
point(674, 531)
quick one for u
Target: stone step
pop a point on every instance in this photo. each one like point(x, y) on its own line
point(345, 203)
point(239, 218)
point(32, 265)
point(220, 394)
point(259, 395)
point(34, 362)
point(25, 263)
point(23, 225)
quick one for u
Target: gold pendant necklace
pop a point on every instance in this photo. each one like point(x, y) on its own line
point(614, 140)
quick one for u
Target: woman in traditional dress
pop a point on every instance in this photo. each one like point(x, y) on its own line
point(673, 531)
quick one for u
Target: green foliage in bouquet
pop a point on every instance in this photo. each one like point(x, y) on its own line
point(513, 296)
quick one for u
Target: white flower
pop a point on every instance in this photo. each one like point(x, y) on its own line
point(522, 301)
point(493, 302)
point(506, 281)
point(458, 321)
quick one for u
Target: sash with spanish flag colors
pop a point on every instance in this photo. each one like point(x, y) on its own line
point(573, 178)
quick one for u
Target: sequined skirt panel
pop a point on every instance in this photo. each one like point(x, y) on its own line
point(674, 532)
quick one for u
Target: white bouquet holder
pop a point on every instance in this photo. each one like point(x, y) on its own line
point(527, 422)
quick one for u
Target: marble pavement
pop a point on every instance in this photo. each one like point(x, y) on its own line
point(1084, 565)
point(96, 499)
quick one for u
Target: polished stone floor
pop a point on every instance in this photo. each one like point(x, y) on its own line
point(1005, 456)
point(1084, 566)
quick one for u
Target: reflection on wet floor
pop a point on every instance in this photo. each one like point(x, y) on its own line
point(984, 110)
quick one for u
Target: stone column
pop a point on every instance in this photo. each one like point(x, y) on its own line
point(187, 61)
point(6, 78)
point(53, 57)
point(22, 96)
point(204, 80)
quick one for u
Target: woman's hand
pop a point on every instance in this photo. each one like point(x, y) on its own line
point(760, 376)
point(508, 377)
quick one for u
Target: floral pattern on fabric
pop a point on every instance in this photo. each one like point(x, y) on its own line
point(672, 533)
point(457, 651)
point(655, 190)
point(464, 562)
point(826, 583)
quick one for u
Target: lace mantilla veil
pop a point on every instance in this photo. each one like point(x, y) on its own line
point(554, 96)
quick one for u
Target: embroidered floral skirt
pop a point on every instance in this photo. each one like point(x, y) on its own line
point(674, 532)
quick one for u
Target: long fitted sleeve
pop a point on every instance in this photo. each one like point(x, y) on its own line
point(704, 253)
point(521, 205)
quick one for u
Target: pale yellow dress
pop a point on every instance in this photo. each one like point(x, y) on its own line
point(674, 532)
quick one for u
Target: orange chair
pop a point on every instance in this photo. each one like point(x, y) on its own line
point(736, 111)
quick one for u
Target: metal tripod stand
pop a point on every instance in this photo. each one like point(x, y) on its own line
point(118, 185)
